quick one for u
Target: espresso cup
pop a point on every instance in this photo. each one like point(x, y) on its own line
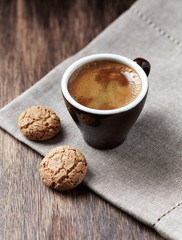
point(106, 129)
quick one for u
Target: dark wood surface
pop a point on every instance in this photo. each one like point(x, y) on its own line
point(34, 37)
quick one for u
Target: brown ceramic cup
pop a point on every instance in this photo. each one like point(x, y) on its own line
point(105, 129)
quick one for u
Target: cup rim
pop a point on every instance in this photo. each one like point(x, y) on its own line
point(104, 56)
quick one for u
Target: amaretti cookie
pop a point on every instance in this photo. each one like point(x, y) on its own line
point(63, 168)
point(39, 123)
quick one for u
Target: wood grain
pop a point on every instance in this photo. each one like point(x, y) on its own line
point(34, 37)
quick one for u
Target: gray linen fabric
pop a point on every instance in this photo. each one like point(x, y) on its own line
point(143, 176)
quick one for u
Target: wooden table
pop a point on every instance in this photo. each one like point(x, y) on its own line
point(34, 37)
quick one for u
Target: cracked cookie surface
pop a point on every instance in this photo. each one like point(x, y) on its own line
point(63, 168)
point(39, 123)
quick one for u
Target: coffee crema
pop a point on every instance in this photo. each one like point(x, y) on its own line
point(104, 85)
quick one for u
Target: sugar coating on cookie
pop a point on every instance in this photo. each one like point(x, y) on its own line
point(63, 168)
point(39, 123)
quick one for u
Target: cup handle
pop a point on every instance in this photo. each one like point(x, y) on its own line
point(144, 64)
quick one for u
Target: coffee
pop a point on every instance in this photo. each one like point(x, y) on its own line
point(104, 85)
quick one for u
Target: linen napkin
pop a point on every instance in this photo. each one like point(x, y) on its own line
point(143, 176)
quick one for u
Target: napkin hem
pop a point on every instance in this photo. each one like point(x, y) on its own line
point(157, 28)
point(166, 213)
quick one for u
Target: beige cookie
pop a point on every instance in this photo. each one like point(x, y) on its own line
point(39, 123)
point(63, 168)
